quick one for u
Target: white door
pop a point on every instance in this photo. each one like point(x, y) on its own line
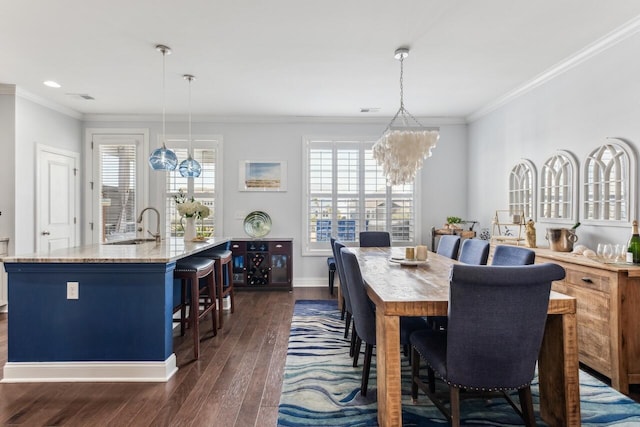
point(57, 199)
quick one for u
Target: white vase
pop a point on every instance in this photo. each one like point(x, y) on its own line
point(189, 229)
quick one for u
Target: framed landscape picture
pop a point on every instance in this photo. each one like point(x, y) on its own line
point(262, 175)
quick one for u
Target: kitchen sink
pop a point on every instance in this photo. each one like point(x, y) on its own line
point(131, 242)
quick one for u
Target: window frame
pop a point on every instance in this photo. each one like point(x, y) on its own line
point(573, 185)
point(114, 136)
point(322, 248)
point(516, 206)
point(198, 142)
point(628, 185)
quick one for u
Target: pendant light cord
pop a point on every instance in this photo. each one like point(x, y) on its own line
point(164, 107)
point(190, 78)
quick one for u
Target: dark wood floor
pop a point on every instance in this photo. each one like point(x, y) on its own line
point(236, 381)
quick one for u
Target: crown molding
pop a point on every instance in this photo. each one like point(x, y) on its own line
point(427, 121)
point(609, 40)
point(48, 104)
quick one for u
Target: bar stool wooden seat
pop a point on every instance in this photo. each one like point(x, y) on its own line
point(223, 261)
point(191, 270)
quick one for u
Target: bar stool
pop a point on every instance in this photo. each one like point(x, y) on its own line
point(191, 270)
point(223, 259)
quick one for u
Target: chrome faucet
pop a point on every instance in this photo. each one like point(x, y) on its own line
point(157, 235)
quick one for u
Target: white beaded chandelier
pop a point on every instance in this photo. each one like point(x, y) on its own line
point(402, 149)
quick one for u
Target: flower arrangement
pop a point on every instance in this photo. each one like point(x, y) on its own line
point(188, 207)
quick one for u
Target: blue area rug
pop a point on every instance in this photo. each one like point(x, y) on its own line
point(321, 388)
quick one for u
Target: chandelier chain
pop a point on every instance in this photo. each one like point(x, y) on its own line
point(401, 82)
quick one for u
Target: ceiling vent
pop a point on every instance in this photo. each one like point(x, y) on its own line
point(84, 96)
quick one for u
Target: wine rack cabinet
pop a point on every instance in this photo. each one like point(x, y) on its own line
point(262, 264)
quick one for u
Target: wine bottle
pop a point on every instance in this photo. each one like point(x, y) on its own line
point(633, 249)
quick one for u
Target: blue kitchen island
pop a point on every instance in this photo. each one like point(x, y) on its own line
point(119, 328)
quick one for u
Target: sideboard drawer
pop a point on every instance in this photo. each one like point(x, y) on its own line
point(588, 278)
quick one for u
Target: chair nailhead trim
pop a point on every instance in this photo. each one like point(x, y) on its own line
point(439, 375)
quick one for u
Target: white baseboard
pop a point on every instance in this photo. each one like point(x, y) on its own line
point(31, 372)
point(312, 282)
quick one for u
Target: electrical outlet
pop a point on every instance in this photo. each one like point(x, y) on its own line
point(72, 290)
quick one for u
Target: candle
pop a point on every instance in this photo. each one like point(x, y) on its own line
point(421, 253)
point(409, 254)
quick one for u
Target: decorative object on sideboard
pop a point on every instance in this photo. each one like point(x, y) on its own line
point(189, 168)
point(453, 222)
point(561, 239)
point(163, 159)
point(530, 233)
point(402, 149)
point(257, 224)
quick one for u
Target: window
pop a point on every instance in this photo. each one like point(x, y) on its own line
point(346, 193)
point(609, 174)
point(117, 184)
point(522, 190)
point(205, 188)
point(558, 188)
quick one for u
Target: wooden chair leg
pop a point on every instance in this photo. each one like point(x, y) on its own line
point(454, 393)
point(354, 336)
point(366, 368)
point(332, 275)
point(183, 308)
point(211, 289)
point(347, 324)
point(431, 378)
point(343, 310)
point(526, 403)
point(194, 308)
point(356, 352)
point(415, 373)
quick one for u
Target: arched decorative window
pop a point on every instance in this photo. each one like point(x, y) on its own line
point(522, 191)
point(609, 175)
point(559, 188)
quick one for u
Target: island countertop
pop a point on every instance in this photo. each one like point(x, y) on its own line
point(171, 249)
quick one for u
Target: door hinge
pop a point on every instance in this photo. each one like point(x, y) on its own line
point(75, 171)
point(91, 183)
point(74, 219)
point(91, 226)
point(92, 144)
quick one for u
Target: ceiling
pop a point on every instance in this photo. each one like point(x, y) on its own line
point(326, 58)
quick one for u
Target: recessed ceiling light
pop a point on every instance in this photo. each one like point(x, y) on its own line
point(369, 109)
point(51, 83)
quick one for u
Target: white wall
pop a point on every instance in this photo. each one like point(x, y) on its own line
point(278, 139)
point(7, 163)
point(36, 124)
point(575, 111)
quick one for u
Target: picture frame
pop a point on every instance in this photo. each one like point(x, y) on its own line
point(262, 175)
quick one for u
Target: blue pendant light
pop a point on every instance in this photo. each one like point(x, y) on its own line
point(190, 168)
point(162, 158)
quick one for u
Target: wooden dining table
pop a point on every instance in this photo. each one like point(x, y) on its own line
point(423, 290)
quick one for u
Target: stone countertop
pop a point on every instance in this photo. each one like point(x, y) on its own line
point(168, 250)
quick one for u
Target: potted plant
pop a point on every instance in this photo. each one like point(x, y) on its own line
point(453, 221)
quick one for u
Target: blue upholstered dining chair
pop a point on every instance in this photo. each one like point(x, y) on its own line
point(512, 255)
point(364, 315)
point(346, 302)
point(497, 317)
point(331, 265)
point(448, 246)
point(474, 252)
point(375, 239)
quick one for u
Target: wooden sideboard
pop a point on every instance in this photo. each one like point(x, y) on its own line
point(608, 314)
